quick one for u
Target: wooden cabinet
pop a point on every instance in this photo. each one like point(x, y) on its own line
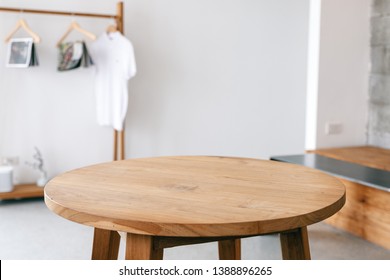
point(367, 210)
point(23, 191)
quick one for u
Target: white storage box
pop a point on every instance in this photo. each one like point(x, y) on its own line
point(6, 179)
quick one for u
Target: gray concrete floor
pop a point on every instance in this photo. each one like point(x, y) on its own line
point(29, 231)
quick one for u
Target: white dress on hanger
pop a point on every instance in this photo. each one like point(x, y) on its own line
point(113, 56)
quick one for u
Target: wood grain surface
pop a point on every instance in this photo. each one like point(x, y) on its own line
point(23, 191)
point(195, 196)
point(366, 214)
point(374, 157)
point(367, 210)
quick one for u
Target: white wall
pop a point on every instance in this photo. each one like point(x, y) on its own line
point(214, 77)
point(342, 73)
point(230, 78)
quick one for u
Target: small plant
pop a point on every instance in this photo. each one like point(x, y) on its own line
point(38, 164)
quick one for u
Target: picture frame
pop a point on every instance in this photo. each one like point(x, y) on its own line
point(19, 52)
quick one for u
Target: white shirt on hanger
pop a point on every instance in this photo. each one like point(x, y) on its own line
point(113, 56)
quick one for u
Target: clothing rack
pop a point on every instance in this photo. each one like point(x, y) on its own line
point(119, 136)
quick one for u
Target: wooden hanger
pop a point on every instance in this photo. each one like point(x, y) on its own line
point(75, 26)
point(112, 28)
point(22, 24)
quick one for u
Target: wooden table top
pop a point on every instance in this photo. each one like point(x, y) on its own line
point(195, 196)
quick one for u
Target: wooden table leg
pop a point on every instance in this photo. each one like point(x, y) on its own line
point(295, 244)
point(115, 145)
point(229, 249)
point(140, 247)
point(105, 244)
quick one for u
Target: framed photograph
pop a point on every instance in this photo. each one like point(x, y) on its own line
point(19, 52)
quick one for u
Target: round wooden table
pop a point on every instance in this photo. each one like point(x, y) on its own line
point(170, 201)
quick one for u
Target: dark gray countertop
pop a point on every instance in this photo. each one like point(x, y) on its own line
point(368, 176)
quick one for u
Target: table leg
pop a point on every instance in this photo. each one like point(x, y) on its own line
point(105, 244)
point(140, 247)
point(295, 244)
point(229, 249)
